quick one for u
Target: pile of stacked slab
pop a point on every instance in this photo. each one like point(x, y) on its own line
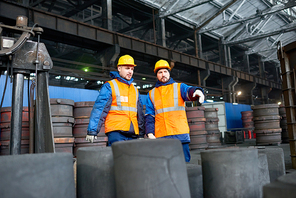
point(5, 128)
point(213, 132)
point(82, 111)
point(62, 122)
point(196, 121)
point(267, 124)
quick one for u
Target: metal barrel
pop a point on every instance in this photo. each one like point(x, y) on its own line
point(5, 130)
point(212, 128)
point(196, 122)
point(223, 175)
point(64, 144)
point(62, 126)
point(61, 107)
point(267, 124)
point(62, 122)
point(286, 56)
point(195, 112)
point(82, 111)
point(283, 124)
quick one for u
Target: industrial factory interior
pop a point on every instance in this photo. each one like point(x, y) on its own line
point(231, 67)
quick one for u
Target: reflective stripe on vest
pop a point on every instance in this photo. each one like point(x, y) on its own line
point(176, 107)
point(118, 101)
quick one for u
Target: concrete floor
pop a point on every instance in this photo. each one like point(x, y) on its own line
point(196, 159)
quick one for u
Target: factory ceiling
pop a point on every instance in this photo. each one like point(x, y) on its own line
point(239, 34)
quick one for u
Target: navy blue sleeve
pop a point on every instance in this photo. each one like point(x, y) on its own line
point(100, 110)
point(140, 116)
point(187, 92)
point(149, 116)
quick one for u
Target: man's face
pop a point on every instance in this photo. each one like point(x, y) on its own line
point(163, 75)
point(126, 72)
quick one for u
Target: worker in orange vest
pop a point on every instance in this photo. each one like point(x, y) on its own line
point(165, 114)
point(118, 106)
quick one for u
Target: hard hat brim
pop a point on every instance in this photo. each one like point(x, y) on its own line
point(161, 67)
point(127, 65)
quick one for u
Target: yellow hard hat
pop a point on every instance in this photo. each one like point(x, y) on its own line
point(161, 64)
point(126, 60)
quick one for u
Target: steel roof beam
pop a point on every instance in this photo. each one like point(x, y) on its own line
point(36, 3)
point(163, 15)
point(273, 9)
point(291, 27)
point(234, 13)
point(134, 27)
point(215, 15)
point(51, 5)
point(72, 11)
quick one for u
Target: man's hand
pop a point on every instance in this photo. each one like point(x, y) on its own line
point(90, 138)
point(200, 94)
point(151, 136)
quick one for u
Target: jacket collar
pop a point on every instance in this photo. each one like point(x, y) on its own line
point(115, 75)
point(170, 81)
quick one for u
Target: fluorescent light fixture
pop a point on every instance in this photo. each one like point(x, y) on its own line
point(210, 100)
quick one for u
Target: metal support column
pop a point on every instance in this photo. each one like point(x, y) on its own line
point(160, 26)
point(107, 14)
point(16, 113)
point(264, 95)
point(261, 67)
point(246, 61)
point(229, 64)
point(200, 45)
point(221, 53)
point(44, 141)
point(196, 44)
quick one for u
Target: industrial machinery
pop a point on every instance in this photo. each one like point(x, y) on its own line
point(20, 57)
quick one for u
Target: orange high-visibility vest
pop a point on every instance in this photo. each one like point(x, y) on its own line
point(123, 109)
point(170, 115)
